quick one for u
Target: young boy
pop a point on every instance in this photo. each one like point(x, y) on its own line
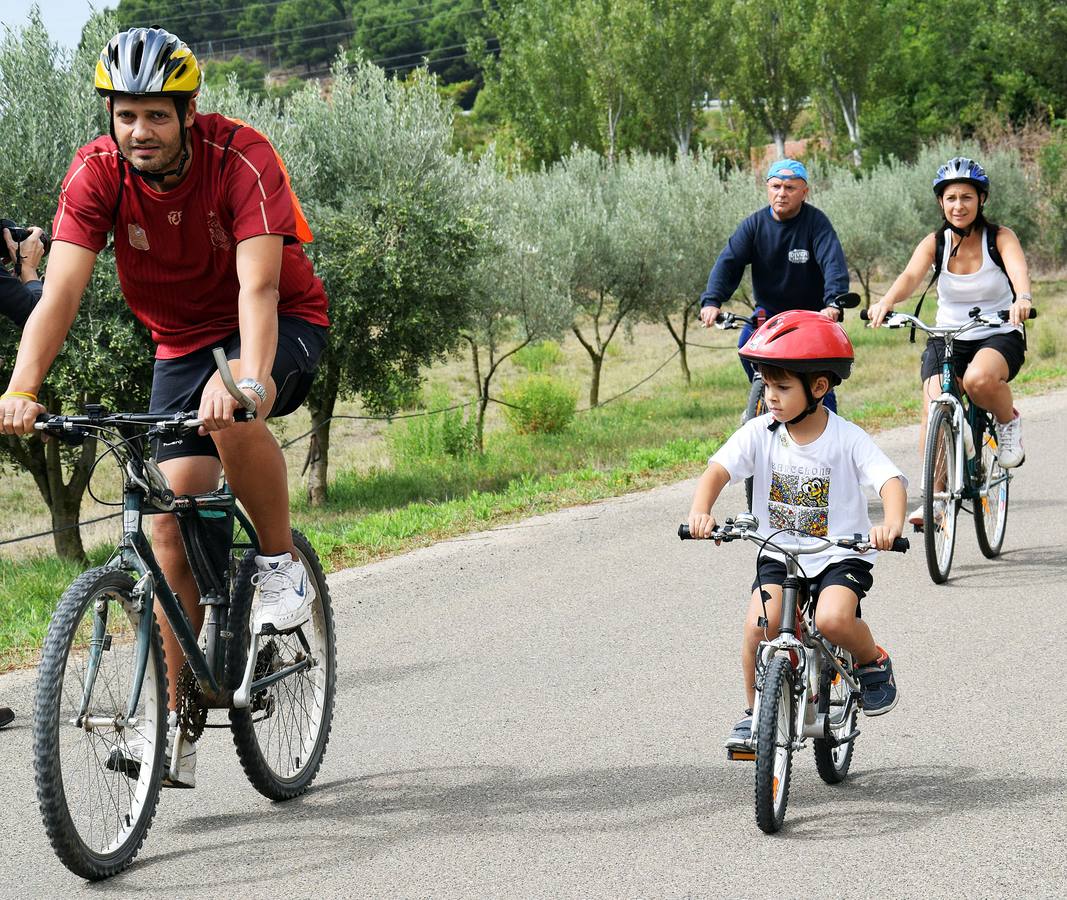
point(807, 466)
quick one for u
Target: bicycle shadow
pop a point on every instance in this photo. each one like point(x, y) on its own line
point(1030, 565)
point(892, 800)
point(356, 819)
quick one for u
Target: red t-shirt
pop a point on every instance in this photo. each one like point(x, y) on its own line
point(175, 251)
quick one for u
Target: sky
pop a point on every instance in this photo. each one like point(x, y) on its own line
point(64, 19)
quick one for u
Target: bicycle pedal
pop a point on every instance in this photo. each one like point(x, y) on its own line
point(917, 529)
point(740, 755)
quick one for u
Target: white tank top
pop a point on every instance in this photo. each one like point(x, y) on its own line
point(988, 289)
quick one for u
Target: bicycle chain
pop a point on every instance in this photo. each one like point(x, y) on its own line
point(191, 709)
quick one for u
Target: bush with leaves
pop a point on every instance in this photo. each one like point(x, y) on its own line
point(540, 404)
point(446, 429)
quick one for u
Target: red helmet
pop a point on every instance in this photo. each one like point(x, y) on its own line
point(799, 340)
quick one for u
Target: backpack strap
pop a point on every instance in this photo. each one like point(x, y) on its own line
point(939, 253)
point(994, 254)
point(226, 147)
point(118, 200)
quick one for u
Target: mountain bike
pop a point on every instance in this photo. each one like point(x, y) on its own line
point(755, 406)
point(805, 686)
point(960, 464)
point(102, 682)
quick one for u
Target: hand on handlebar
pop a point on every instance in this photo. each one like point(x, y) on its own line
point(701, 525)
point(18, 414)
point(217, 407)
point(1019, 311)
point(833, 313)
point(709, 315)
point(882, 537)
point(877, 312)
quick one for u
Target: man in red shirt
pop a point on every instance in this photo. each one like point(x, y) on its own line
point(207, 245)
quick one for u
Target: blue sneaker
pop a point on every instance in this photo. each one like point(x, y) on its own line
point(879, 685)
point(741, 737)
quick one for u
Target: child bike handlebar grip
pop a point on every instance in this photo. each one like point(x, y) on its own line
point(901, 545)
point(683, 532)
point(1004, 314)
point(864, 316)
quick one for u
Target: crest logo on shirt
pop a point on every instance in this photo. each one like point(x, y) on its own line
point(138, 238)
point(799, 256)
point(220, 240)
point(175, 217)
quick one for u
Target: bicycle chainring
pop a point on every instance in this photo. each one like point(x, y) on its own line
point(191, 709)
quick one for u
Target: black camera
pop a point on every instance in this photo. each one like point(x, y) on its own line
point(19, 233)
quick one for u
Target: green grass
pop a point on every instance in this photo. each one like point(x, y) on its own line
point(383, 503)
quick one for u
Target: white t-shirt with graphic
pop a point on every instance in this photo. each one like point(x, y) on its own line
point(816, 488)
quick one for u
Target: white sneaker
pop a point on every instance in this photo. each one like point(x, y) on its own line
point(284, 596)
point(1010, 451)
point(916, 517)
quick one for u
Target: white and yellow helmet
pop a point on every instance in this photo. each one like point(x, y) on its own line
point(147, 62)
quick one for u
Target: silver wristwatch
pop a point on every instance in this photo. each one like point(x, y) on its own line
point(255, 387)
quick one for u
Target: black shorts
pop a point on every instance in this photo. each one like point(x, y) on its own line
point(855, 574)
point(178, 383)
point(1009, 344)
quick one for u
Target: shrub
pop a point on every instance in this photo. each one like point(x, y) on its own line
point(451, 433)
point(538, 357)
point(540, 405)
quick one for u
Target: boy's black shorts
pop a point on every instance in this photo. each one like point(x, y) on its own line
point(855, 574)
point(1010, 345)
point(178, 383)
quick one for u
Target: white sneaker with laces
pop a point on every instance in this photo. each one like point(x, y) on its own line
point(1010, 451)
point(284, 596)
point(916, 517)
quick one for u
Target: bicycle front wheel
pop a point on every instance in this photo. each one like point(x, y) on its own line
point(941, 501)
point(833, 759)
point(991, 504)
point(281, 737)
point(98, 771)
point(774, 744)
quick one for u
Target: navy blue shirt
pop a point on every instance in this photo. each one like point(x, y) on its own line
point(796, 264)
point(17, 300)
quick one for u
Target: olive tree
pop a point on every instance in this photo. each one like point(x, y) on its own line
point(49, 109)
point(396, 235)
point(521, 283)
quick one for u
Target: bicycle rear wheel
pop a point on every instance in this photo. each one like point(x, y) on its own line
point(833, 760)
point(97, 802)
point(774, 744)
point(281, 737)
point(991, 504)
point(754, 407)
point(941, 503)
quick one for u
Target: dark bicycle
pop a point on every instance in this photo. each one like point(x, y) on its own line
point(960, 463)
point(755, 406)
point(805, 686)
point(102, 682)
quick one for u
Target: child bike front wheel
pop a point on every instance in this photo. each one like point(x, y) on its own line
point(774, 744)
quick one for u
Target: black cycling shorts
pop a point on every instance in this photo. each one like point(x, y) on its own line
point(178, 383)
point(1009, 344)
point(855, 574)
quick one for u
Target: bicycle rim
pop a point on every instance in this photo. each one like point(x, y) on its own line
point(941, 503)
point(96, 810)
point(991, 505)
point(833, 762)
point(282, 737)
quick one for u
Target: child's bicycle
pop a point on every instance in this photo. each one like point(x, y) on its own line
point(960, 463)
point(805, 686)
point(729, 321)
point(102, 683)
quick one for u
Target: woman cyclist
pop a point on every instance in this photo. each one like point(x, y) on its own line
point(970, 274)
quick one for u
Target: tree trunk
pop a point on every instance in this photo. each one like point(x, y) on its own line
point(779, 143)
point(321, 405)
point(594, 380)
point(67, 537)
point(680, 339)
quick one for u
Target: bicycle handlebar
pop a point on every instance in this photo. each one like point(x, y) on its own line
point(730, 531)
point(902, 320)
point(727, 320)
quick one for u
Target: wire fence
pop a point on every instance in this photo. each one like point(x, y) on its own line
point(390, 418)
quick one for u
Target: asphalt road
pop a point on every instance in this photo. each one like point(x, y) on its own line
point(539, 711)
